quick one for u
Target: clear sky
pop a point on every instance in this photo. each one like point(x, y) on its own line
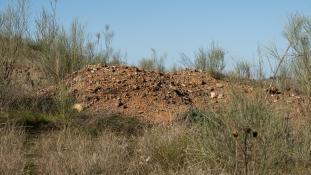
point(176, 26)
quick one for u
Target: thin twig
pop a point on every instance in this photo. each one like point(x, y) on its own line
point(278, 67)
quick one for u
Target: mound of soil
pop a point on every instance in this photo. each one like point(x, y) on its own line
point(154, 96)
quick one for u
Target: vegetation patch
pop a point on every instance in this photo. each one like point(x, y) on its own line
point(96, 123)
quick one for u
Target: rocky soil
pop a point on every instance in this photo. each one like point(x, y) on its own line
point(160, 97)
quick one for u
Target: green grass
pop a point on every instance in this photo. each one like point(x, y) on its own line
point(32, 122)
point(95, 123)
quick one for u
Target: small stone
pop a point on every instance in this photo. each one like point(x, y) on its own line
point(220, 96)
point(119, 103)
point(213, 95)
point(273, 91)
point(135, 87)
point(293, 94)
point(78, 107)
point(97, 89)
point(219, 85)
point(179, 92)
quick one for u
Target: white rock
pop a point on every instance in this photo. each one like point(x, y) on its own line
point(213, 95)
point(78, 107)
point(220, 96)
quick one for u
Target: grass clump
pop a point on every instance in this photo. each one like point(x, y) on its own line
point(243, 70)
point(12, 158)
point(33, 122)
point(161, 153)
point(96, 123)
point(71, 151)
point(209, 60)
point(246, 138)
point(154, 62)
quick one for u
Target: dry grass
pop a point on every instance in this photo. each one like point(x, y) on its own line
point(161, 150)
point(210, 142)
point(205, 142)
point(205, 146)
point(245, 138)
point(12, 158)
point(73, 152)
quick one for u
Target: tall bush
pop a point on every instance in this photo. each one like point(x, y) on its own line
point(298, 34)
point(209, 60)
point(154, 62)
point(243, 69)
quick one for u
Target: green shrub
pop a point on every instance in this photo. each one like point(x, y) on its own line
point(59, 103)
point(31, 121)
point(246, 138)
point(210, 60)
point(96, 123)
point(295, 62)
point(298, 34)
point(155, 62)
point(243, 69)
point(47, 45)
point(147, 64)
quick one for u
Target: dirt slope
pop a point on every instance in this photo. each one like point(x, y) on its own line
point(157, 97)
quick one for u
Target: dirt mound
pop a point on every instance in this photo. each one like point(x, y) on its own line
point(152, 95)
point(155, 96)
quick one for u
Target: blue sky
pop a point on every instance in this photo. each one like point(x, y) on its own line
point(176, 26)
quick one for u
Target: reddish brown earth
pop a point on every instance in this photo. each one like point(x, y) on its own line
point(160, 97)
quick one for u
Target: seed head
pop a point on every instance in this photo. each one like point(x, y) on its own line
point(235, 134)
point(247, 130)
